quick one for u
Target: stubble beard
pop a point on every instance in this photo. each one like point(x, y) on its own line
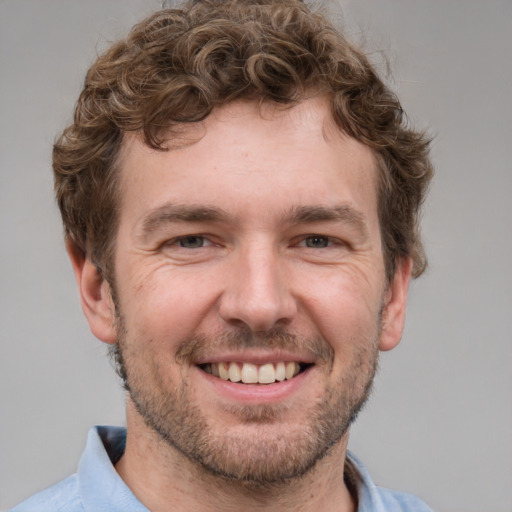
point(251, 454)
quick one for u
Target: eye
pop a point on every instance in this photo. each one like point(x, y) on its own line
point(317, 242)
point(192, 242)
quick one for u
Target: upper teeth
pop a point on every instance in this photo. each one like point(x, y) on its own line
point(249, 373)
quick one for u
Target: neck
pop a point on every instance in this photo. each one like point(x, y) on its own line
point(159, 475)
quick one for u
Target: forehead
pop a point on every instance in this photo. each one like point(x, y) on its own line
point(252, 156)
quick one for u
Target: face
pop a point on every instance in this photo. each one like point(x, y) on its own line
point(250, 288)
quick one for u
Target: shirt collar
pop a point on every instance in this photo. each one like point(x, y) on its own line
point(101, 488)
point(368, 495)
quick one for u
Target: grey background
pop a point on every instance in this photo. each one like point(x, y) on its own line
point(440, 421)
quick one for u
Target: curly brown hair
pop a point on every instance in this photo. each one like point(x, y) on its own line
point(178, 65)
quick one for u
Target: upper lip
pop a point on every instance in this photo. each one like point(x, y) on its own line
point(257, 357)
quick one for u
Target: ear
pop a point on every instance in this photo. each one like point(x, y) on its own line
point(95, 296)
point(393, 315)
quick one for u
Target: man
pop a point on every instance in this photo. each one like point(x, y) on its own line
point(240, 196)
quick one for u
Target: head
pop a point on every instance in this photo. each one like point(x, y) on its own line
point(178, 65)
point(244, 185)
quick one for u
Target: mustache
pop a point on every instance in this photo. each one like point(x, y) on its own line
point(201, 346)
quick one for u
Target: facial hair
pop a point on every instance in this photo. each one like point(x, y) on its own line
point(252, 453)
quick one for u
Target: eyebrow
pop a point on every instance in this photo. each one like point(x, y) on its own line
point(170, 213)
point(343, 213)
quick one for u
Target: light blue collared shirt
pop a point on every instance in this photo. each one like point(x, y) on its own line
point(96, 486)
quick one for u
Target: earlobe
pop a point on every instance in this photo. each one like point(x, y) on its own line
point(95, 295)
point(393, 315)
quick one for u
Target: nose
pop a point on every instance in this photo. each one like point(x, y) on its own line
point(258, 291)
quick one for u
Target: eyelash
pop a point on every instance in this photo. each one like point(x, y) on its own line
point(326, 239)
point(205, 242)
point(179, 241)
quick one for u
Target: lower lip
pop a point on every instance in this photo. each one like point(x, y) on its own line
point(256, 393)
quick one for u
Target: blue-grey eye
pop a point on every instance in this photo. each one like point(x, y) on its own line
point(191, 242)
point(317, 242)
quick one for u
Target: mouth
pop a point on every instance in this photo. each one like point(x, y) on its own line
point(249, 373)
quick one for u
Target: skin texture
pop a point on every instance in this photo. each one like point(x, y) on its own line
point(258, 241)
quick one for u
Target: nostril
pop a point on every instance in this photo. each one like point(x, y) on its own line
point(257, 317)
point(257, 293)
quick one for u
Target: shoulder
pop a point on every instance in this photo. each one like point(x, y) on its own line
point(61, 497)
point(401, 501)
point(373, 498)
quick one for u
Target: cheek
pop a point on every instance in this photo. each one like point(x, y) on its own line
point(345, 308)
point(167, 305)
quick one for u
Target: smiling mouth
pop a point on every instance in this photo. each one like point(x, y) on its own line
point(248, 373)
